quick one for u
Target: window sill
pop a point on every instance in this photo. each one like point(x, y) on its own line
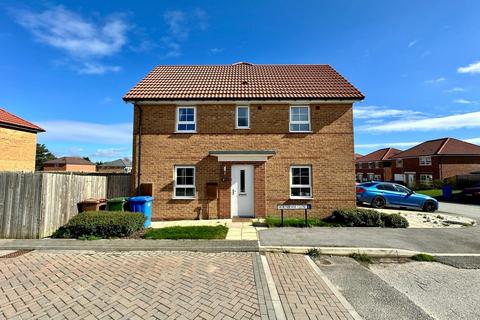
point(300, 198)
point(300, 131)
point(184, 198)
point(185, 132)
point(242, 128)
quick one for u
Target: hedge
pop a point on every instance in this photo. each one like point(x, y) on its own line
point(102, 224)
point(367, 218)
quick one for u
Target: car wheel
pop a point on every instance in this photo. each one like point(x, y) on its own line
point(359, 203)
point(378, 202)
point(429, 206)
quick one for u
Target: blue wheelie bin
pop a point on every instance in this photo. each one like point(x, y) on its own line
point(142, 204)
point(447, 192)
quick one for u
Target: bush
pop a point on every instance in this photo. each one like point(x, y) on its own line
point(361, 257)
point(423, 257)
point(395, 220)
point(367, 218)
point(101, 224)
point(295, 222)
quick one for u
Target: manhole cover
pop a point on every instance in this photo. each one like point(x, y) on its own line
point(16, 254)
point(324, 262)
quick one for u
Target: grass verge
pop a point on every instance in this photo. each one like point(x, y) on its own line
point(361, 257)
point(190, 232)
point(423, 257)
point(435, 193)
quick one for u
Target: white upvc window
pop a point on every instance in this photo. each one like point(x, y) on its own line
point(399, 163)
point(299, 119)
point(242, 117)
point(377, 164)
point(184, 183)
point(370, 165)
point(426, 179)
point(425, 161)
point(300, 182)
point(377, 177)
point(186, 119)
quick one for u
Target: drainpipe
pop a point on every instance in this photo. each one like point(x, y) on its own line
point(139, 156)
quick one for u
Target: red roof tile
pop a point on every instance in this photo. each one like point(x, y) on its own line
point(379, 155)
point(70, 160)
point(443, 146)
point(11, 120)
point(243, 81)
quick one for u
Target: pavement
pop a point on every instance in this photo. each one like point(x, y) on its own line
point(433, 240)
point(442, 291)
point(372, 298)
point(57, 284)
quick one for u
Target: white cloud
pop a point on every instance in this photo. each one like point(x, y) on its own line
point(437, 80)
point(216, 50)
point(464, 101)
point(473, 140)
point(412, 43)
point(371, 112)
point(82, 40)
point(457, 121)
point(471, 68)
point(387, 144)
point(179, 25)
point(89, 132)
point(111, 153)
point(455, 89)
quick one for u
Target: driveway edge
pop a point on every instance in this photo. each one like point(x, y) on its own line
point(334, 289)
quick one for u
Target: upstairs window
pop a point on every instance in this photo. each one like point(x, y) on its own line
point(425, 161)
point(186, 119)
point(184, 182)
point(242, 117)
point(399, 163)
point(300, 182)
point(299, 119)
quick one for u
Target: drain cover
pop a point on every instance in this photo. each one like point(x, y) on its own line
point(324, 262)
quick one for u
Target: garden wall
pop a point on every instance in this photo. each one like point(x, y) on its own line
point(34, 205)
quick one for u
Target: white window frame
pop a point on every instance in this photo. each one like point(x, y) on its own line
point(248, 117)
point(377, 164)
point(371, 165)
point(301, 185)
point(175, 185)
point(425, 160)
point(424, 181)
point(377, 177)
point(177, 119)
point(290, 122)
point(399, 163)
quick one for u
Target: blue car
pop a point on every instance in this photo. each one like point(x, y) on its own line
point(385, 194)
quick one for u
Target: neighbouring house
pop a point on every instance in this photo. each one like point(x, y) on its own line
point(357, 156)
point(375, 166)
point(70, 164)
point(221, 141)
point(435, 160)
point(18, 142)
point(116, 166)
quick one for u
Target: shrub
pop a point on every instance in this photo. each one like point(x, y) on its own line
point(395, 220)
point(313, 253)
point(101, 224)
point(367, 218)
point(361, 257)
point(296, 222)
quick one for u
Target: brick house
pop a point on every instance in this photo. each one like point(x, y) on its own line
point(70, 164)
point(18, 143)
point(237, 140)
point(116, 166)
point(375, 166)
point(435, 160)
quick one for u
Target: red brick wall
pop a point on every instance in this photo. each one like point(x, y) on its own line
point(328, 149)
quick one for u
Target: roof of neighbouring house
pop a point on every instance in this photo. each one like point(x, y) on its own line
point(10, 120)
point(443, 146)
point(358, 156)
point(122, 163)
point(380, 155)
point(70, 160)
point(244, 81)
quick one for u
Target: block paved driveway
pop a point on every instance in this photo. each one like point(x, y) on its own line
point(160, 285)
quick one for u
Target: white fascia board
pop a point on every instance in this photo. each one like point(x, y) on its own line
point(239, 102)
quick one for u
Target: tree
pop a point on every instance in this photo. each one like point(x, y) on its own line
point(43, 155)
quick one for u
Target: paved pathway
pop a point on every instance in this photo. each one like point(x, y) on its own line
point(304, 295)
point(160, 285)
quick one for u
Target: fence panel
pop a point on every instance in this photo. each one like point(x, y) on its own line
point(34, 205)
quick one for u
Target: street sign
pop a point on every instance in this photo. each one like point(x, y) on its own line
point(294, 206)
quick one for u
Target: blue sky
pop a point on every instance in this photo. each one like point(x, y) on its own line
point(66, 65)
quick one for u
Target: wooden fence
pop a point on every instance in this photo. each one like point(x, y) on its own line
point(464, 181)
point(34, 205)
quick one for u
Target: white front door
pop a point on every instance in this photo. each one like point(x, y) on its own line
point(410, 178)
point(242, 201)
